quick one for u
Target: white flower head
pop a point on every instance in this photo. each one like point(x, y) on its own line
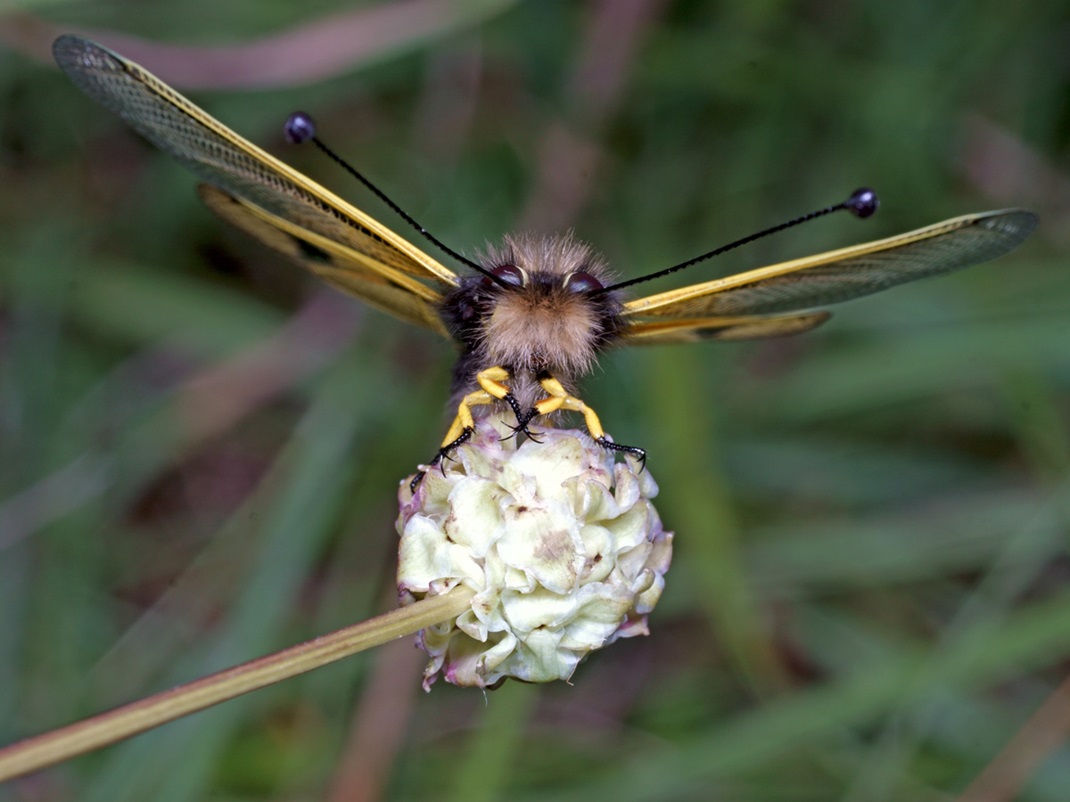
point(560, 542)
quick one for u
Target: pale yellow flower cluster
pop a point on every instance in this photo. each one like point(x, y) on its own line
point(561, 543)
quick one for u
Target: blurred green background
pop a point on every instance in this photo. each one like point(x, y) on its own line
point(200, 447)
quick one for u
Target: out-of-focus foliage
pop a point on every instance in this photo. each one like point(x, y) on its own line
point(200, 447)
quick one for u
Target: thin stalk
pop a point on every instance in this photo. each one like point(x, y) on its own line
point(130, 719)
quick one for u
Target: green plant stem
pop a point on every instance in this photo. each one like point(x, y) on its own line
point(122, 722)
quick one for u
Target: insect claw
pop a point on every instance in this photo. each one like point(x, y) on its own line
point(532, 436)
point(523, 418)
point(522, 428)
point(444, 453)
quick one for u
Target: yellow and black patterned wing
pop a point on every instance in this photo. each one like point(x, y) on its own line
point(827, 278)
point(261, 194)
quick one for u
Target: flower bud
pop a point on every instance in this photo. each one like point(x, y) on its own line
point(560, 542)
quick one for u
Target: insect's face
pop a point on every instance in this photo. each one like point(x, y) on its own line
point(542, 310)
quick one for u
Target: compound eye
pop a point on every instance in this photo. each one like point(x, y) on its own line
point(509, 274)
point(582, 282)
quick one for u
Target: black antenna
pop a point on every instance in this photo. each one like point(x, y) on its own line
point(300, 128)
point(862, 203)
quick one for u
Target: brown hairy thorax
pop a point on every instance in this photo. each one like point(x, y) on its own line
point(542, 326)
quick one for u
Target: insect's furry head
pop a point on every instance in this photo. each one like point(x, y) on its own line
point(547, 316)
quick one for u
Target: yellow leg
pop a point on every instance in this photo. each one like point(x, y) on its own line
point(463, 421)
point(558, 398)
point(492, 380)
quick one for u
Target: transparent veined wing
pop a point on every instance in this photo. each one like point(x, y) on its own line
point(405, 298)
point(847, 273)
point(747, 327)
point(268, 190)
